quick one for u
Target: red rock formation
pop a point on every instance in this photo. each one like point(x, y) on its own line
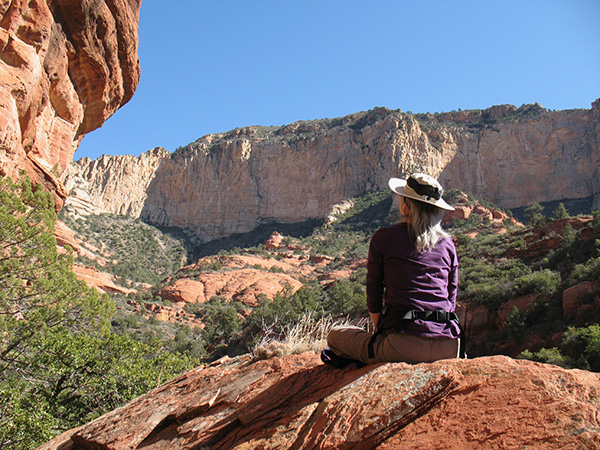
point(274, 242)
point(65, 236)
point(103, 282)
point(549, 237)
point(574, 299)
point(296, 402)
point(464, 212)
point(65, 67)
point(521, 303)
point(243, 285)
point(243, 278)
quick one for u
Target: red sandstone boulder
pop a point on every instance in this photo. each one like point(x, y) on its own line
point(65, 236)
point(244, 285)
point(184, 290)
point(573, 297)
point(521, 303)
point(274, 242)
point(478, 321)
point(102, 281)
point(463, 212)
point(296, 402)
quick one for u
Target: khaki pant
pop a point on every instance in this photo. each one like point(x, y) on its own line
point(353, 342)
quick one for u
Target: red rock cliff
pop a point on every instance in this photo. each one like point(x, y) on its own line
point(65, 67)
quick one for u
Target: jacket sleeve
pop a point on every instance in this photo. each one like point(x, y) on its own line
point(453, 278)
point(375, 283)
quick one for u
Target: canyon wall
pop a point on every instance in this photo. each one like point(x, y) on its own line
point(230, 183)
point(115, 184)
point(544, 156)
point(65, 67)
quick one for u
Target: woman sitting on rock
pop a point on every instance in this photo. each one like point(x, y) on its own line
point(413, 270)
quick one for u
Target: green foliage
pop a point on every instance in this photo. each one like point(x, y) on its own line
point(139, 252)
point(221, 320)
point(596, 220)
point(38, 290)
point(561, 212)
point(588, 271)
point(286, 308)
point(515, 323)
point(76, 377)
point(580, 348)
point(347, 298)
point(276, 269)
point(575, 257)
point(534, 216)
point(484, 282)
point(60, 365)
point(349, 234)
point(547, 356)
point(569, 235)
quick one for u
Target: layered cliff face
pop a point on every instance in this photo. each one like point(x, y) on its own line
point(543, 157)
point(230, 183)
point(116, 184)
point(65, 67)
point(227, 184)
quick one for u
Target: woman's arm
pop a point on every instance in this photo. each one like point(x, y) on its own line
point(375, 284)
point(453, 278)
point(375, 319)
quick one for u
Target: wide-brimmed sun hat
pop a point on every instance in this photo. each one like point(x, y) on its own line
point(419, 186)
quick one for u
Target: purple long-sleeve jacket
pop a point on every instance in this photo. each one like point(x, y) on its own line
point(398, 274)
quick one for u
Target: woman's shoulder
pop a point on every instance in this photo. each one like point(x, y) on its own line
point(392, 233)
point(446, 243)
point(401, 227)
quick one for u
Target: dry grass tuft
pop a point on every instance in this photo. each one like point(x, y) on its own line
point(308, 334)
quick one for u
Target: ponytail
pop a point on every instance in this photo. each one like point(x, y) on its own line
point(425, 224)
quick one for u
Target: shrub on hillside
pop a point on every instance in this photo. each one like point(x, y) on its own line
point(346, 298)
point(139, 252)
point(580, 348)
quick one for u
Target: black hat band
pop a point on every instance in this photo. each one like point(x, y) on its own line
point(425, 190)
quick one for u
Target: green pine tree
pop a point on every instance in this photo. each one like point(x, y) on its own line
point(60, 364)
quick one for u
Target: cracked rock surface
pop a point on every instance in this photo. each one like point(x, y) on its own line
point(295, 402)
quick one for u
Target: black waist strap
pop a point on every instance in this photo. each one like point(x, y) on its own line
point(431, 316)
point(396, 317)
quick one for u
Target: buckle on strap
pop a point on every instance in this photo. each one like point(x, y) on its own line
point(431, 316)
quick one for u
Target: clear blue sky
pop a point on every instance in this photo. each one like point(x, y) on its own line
point(211, 66)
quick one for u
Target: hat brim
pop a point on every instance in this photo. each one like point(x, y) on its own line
point(400, 187)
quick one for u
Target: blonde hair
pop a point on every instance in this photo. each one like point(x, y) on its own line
point(424, 223)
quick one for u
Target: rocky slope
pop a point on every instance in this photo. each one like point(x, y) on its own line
point(230, 183)
point(245, 277)
point(65, 67)
point(285, 264)
point(295, 402)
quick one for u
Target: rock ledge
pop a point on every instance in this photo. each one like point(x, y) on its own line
point(296, 402)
